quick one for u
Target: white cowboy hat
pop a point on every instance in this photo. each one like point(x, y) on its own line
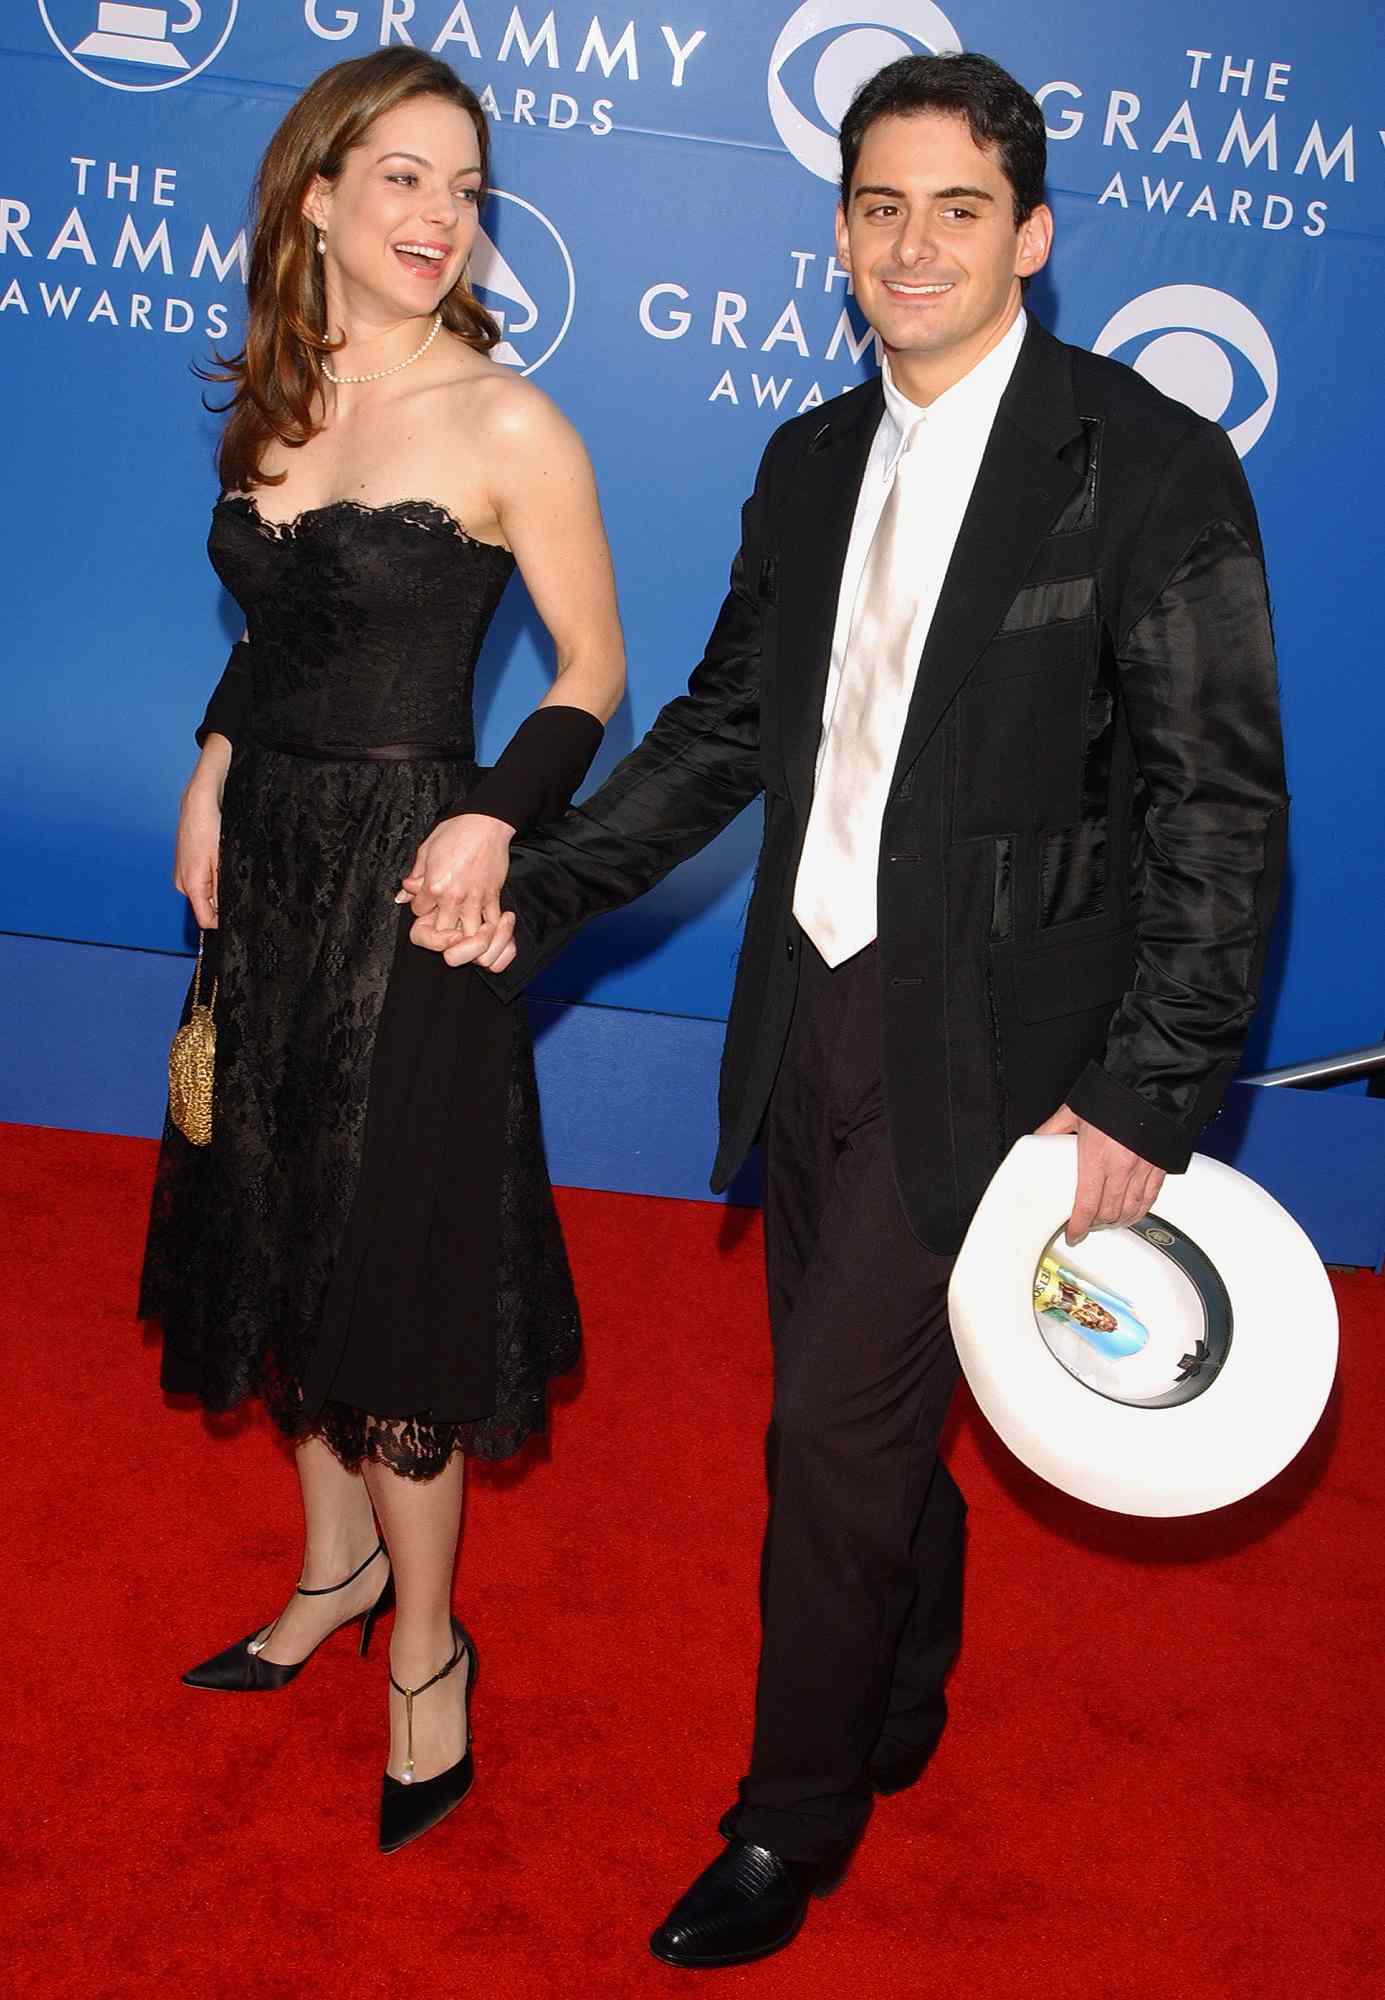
point(1165, 1368)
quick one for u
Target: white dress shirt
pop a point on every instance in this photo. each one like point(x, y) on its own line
point(950, 435)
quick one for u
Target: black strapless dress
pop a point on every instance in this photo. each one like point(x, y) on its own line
point(369, 1243)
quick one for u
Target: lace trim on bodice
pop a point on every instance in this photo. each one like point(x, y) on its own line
point(430, 515)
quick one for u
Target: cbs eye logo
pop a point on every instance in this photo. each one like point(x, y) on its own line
point(827, 50)
point(1204, 348)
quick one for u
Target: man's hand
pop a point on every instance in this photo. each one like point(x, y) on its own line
point(492, 948)
point(1113, 1184)
point(454, 888)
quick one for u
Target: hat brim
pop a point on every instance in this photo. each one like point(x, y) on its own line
point(1202, 1453)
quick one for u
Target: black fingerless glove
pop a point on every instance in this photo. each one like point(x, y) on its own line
point(228, 711)
point(540, 768)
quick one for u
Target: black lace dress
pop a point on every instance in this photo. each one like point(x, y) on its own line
point(369, 1243)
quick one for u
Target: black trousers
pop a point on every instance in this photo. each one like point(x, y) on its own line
point(861, 1579)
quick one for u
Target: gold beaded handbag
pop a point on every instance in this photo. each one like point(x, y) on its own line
point(191, 1063)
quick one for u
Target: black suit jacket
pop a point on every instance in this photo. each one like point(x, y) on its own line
point(1084, 835)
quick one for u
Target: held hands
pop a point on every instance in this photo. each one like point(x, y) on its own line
point(1113, 1184)
point(454, 889)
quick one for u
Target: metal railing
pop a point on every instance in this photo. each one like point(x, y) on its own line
point(1327, 1070)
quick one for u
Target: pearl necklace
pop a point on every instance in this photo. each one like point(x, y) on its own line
point(380, 373)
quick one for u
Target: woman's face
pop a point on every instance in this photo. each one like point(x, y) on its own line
point(401, 217)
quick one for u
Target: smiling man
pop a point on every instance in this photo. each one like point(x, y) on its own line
point(997, 653)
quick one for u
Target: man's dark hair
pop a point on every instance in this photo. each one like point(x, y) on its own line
point(1000, 113)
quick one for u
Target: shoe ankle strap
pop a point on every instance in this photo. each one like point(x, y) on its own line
point(328, 1588)
point(458, 1653)
point(460, 1650)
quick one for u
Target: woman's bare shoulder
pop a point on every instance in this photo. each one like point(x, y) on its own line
point(500, 407)
point(490, 440)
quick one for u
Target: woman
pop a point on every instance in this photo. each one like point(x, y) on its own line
point(369, 1241)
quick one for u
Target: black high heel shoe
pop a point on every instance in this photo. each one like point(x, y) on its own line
point(409, 1807)
point(240, 1670)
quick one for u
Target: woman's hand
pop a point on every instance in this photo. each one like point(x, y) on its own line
point(197, 850)
point(455, 882)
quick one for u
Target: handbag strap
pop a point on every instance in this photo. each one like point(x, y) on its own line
point(197, 977)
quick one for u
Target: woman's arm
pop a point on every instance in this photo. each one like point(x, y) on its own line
point(547, 506)
point(197, 848)
point(198, 843)
point(545, 501)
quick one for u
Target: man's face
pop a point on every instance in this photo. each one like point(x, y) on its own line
point(930, 239)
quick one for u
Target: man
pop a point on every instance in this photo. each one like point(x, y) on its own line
point(997, 652)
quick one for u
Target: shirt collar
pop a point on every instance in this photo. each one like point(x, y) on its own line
point(968, 406)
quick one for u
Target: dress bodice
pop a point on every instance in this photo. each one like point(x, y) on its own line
point(364, 622)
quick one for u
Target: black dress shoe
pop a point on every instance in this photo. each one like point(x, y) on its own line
point(748, 1904)
point(239, 1668)
point(406, 1811)
point(409, 1806)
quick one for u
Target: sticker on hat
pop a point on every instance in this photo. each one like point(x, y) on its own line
point(1161, 1369)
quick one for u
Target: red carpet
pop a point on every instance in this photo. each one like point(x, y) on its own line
point(1162, 1778)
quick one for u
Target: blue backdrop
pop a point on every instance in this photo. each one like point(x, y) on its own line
point(659, 251)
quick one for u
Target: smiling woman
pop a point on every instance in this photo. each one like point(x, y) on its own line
point(275, 375)
point(368, 1242)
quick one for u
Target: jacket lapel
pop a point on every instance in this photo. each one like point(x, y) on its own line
point(819, 514)
point(1020, 490)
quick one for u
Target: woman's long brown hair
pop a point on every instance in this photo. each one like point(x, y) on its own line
point(276, 373)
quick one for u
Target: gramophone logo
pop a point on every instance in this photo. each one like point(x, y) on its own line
point(130, 47)
point(523, 274)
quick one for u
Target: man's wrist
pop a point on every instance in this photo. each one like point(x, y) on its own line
point(1115, 1110)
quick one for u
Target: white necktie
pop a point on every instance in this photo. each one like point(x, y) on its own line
point(834, 896)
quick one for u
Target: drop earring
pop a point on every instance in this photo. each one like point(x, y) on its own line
point(321, 244)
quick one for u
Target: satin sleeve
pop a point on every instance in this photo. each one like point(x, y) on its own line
point(1195, 652)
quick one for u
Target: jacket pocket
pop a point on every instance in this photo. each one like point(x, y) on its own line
point(1067, 978)
point(1021, 719)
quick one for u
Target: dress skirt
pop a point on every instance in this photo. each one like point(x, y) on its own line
point(369, 1243)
